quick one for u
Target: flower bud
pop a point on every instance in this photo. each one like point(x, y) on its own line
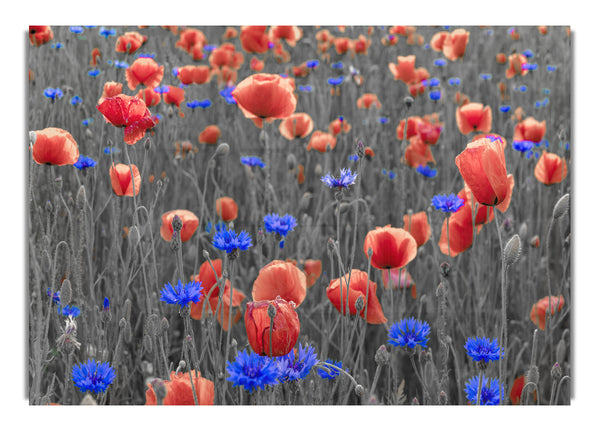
point(222, 150)
point(408, 101)
point(176, 223)
point(382, 356)
point(291, 161)
point(66, 292)
point(512, 250)
point(160, 390)
point(80, 199)
point(556, 372)
point(561, 207)
point(359, 304)
point(533, 374)
point(147, 144)
point(286, 326)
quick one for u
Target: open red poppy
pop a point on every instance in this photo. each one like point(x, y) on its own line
point(129, 112)
point(338, 126)
point(342, 45)
point(226, 208)
point(279, 339)
point(550, 168)
point(461, 232)
point(174, 96)
point(412, 129)
point(290, 33)
point(321, 142)
point(120, 179)
point(40, 34)
point(515, 65)
point(189, 224)
point(455, 44)
point(54, 146)
point(144, 71)
point(179, 390)
point(357, 289)
point(418, 226)
point(405, 69)
point(279, 278)
point(297, 125)
point(95, 55)
point(226, 55)
point(538, 310)
point(112, 89)
point(361, 45)
point(530, 130)
point(367, 100)
point(265, 96)
point(401, 279)
point(189, 38)
point(418, 153)
point(392, 247)
point(474, 117)
point(484, 213)
point(429, 132)
point(229, 33)
point(194, 74)
point(130, 42)
point(254, 38)
point(149, 96)
point(210, 135)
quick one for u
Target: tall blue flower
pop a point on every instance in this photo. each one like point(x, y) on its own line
point(491, 393)
point(94, 72)
point(252, 161)
point(325, 371)
point(347, 178)
point(305, 88)
point(426, 171)
point(281, 225)
point(69, 310)
point(338, 65)
point(75, 100)
point(229, 241)
point(447, 203)
point(297, 369)
point(336, 81)
point(522, 146)
point(53, 93)
point(84, 162)
point(311, 64)
point(482, 349)
point(106, 32)
point(92, 376)
point(409, 333)
point(55, 297)
point(253, 371)
point(180, 294)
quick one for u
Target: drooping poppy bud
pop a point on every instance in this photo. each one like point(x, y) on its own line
point(279, 340)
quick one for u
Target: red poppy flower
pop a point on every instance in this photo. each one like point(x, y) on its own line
point(194, 74)
point(361, 45)
point(412, 129)
point(517, 389)
point(40, 34)
point(226, 208)
point(429, 132)
point(120, 179)
point(530, 130)
point(500, 58)
point(550, 168)
point(254, 38)
point(300, 177)
point(543, 29)
point(189, 224)
point(392, 247)
point(483, 168)
point(418, 226)
point(342, 44)
point(321, 142)
point(112, 89)
point(206, 275)
point(130, 42)
point(290, 33)
point(367, 100)
point(54, 146)
point(390, 40)
point(257, 65)
point(286, 327)
point(189, 38)
point(369, 153)
point(210, 135)
point(461, 232)
point(405, 69)
point(225, 55)
point(338, 126)
point(515, 65)
point(455, 44)
point(312, 269)
point(357, 289)
point(402, 30)
point(474, 117)
point(324, 36)
point(279, 278)
point(417, 153)
point(405, 280)
point(484, 213)
point(95, 55)
point(297, 125)
point(174, 96)
point(31, 75)
point(229, 33)
point(280, 54)
point(129, 112)
point(149, 96)
point(300, 71)
point(180, 392)
point(437, 40)
point(538, 310)
point(535, 241)
point(265, 96)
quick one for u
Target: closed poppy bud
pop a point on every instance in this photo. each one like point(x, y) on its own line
point(54, 146)
point(179, 390)
point(418, 226)
point(404, 281)
point(210, 135)
point(321, 142)
point(189, 220)
point(120, 179)
point(285, 329)
point(367, 100)
point(298, 125)
point(530, 130)
point(538, 310)
point(474, 117)
point(279, 278)
point(349, 295)
point(391, 247)
point(111, 89)
point(144, 71)
point(226, 208)
point(550, 168)
point(483, 168)
point(455, 44)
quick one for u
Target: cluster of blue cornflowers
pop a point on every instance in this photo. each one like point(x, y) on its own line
point(480, 389)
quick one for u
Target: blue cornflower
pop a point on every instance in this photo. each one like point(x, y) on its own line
point(384, 120)
point(87, 121)
point(490, 391)
point(199, 104)
point(482, 349)
point(435, 95)
point(338, 65)
point(252, 161)
point(69, 310)
point(505, 108)
point(440, 62)
point(108, 150)
point(226, 93)
point(426, 171)
point(522, 146)
point(55, 297)
point(291, 368)
point(305, 88)
point(447, 203)
point(546, 90)
point(253, 371)
point(485, 76)
point(94, 72)
point(529, 66)
point(106, 32)
point(209, 48)
point(229, 241)
point(409, 333)
point(391, 175)
point(353, 157)
point(175, 71)
point(528, 53)
point(53, 93)
point(311, 64)
point(220, 226)
point(121, 65)
point(106, 304)
point(336, 81)
point(433, 82)
point(278, 224)
point(76, 29)
point(523, 88)
point(93, 376)
point(145, 55)
point(205, 103)
point(57, 45)
point(180, 294)
point(84, 162)
point(326, 372)
point(162, 89)
point(75, 100)
point(454, 81)
point(347, 178)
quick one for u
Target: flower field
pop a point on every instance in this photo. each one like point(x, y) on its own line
point(299, 215)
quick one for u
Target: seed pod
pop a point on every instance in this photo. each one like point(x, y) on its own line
point(556, 372)
point(408, 101)
point(561, 207)
point(66, 292)
point(533, 374)
point(512, 250)
point(80, 199)
point(222, 150)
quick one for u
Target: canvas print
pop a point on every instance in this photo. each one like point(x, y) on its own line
point(299, 215)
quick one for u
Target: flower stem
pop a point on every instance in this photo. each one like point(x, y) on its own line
point(503, 326)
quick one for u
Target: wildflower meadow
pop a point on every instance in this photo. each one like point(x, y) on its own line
point(299, 215)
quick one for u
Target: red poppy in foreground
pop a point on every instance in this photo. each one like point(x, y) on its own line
point(210, 135)
point(130, 42)
point(40, 34)
point(298, 125)
point(321, 142)
point(279, 278)
point(189, 224)
point(349, 295)
point(129, 112)
point(418, 226)
point(483, 168)
point(367, 100)
point(455, 44)
point(144, 71)
point(530, 130)
point(179, 390)
point(54, 146)
point(474, 117)
point(392, 247)
point(112, 89)
point(402, 282)
point(279, 339)
point(265, 96)
point(538, 310)
point(226, 208)
point(550, 168)
point(120, 179)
